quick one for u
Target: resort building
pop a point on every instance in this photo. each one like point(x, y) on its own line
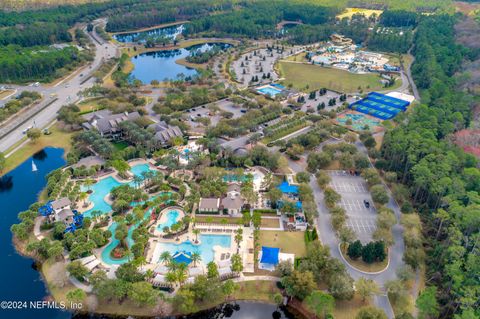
point(209, 205)
point(164, 132)
point(107, 124)
point(233, 202)
point(341, 39)
point(62, 211)
point(89, 162)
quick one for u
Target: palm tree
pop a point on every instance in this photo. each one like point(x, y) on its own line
point(88, 183)
point(181, 273)
point(171, 277)
point(137, 180)
point(195, 257)
point(238, 237)
point(83, 196)
point(196, 232)
point(166, 257)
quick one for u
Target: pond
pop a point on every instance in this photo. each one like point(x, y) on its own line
point(161, 65)
point(19, 279)
point(170, 32)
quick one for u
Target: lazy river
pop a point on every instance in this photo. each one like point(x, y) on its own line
point(104, 186)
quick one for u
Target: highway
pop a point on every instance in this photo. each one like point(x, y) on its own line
point(64, 92)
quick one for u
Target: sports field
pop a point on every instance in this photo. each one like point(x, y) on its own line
point(317, 77)
point(349, 12)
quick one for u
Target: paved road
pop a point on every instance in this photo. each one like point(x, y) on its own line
point(66, 92)
point(408, 72)
point(328, 237)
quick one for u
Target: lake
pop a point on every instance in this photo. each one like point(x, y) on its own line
point(170, 32)
point(161, 65)
point(20, 281)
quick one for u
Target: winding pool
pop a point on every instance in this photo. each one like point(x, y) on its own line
point(106, 253)
point(103, 187)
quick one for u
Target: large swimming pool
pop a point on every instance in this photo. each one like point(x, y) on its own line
point(205, 249)
point(269, 90)
point(103, 187)
point(172, 218)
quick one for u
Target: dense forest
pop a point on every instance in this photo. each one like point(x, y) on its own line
point(259, 19)
point(19, 64)
point(390, 40)
point(155, 13)
point(443, 180)
point(39, 33)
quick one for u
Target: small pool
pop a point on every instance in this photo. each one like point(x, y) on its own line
point(205, 249)
point(269, 90)
point(172, 218)
point(140, 168)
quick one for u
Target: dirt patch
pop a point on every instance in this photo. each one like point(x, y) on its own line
point(466, 8)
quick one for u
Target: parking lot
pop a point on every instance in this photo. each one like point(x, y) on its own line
point(228, 106)
point(357, 202)
point(312, 104)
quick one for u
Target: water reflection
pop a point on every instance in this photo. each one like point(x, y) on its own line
point(141, 37)
point(161, 65)
point(40, 155)
point(6, 183)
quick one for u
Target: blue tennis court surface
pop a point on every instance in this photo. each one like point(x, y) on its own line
point(380, 106)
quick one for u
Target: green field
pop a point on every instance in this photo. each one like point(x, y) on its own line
point(317, 77)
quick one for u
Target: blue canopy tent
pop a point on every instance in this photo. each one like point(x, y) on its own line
point(182, 257)
point(298, 205)
point(269, 256)
point(286, 188)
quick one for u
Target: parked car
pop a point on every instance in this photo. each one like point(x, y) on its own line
point(366, 203)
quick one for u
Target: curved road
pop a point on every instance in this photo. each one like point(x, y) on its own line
point(328, 237)
point(66, 91)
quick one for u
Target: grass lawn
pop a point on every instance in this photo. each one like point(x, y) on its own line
point(288, 242)
point(184, 62)
point(317, 77)
point(348, 309)
point(270, 222)
point(58, 138)
point(217, 220)
point(300, 57)
point(256, 290)
point(120, 145)
point(359, 264)
point(349, 12)
point(90, 105)
point(5, 93)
